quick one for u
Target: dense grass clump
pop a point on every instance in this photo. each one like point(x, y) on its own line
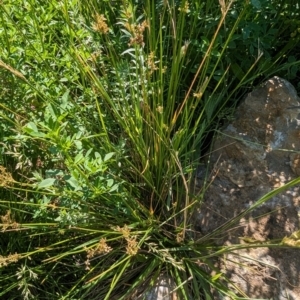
point(106, 107)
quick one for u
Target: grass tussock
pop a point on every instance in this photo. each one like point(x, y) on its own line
point(106, 109)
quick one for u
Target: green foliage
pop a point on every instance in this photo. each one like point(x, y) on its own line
point(106, 108)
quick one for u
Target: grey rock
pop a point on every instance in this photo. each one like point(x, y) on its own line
point(258, 152)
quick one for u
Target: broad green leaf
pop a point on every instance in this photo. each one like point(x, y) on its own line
point(73, 183)
point(32, 129)
point(78, 158)
point(110, 182)
point(65, 99)
point(46, 183)
point(108, 156)
point(78, 144)
point(32, 126)
point(88, 152)
point(114, 188)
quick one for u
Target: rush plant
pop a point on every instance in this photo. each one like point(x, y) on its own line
point(106, 111)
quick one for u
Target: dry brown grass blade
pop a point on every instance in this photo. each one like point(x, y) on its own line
point(12, 70)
